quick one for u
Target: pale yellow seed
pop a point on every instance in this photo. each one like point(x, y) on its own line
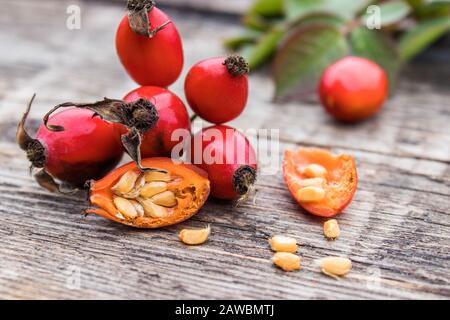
point(283, 244)
point(157, 176)
point(194, 236)
point(331, 229)
point(335, 266)
point(152, 210)
point(314, 182)
point(126, 182)
point(310, 194)
point(286, 261)
point(152, 188)
point(314, 171)
point(139, 208)
point(125, 207)
point(165, 199)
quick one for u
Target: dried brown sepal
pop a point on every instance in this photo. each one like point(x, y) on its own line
point(132, 144)
point(36, 152)
point(138, 17)
point(138, 116)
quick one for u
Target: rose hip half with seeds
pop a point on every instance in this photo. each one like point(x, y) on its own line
point(322, 183)
point(152, 199)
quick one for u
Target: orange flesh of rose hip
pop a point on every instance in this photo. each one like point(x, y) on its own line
point(341, 179)
point(191, 181)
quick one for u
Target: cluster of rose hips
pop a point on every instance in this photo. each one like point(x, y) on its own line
point(87, 140)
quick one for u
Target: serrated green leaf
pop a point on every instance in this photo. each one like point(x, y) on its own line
point(265, 47)
point(305, 54)
point(295, 9)
point(376, 46)
point(268, 8)
point(391, 12)
point(421, 36)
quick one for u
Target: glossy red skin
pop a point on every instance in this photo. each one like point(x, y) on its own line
point(221, 175)
point(156, 61)
point(172, 115)
point(353, 89)
point(87, 149)
point(213, 93)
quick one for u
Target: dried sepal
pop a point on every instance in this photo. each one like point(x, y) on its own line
point(36, 152)
point(46, 181)
point(138, 116)
point(138, 18)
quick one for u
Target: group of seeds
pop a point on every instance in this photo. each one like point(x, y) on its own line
point(285, 256)
point(285, 248)
point(313, 187)
point(143, 194)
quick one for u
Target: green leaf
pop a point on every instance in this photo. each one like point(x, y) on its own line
point(303, 57)
point(421, 36)
point(376, 46)
point(424, 9)
point(321, 18)
point(234, 43)
point(391, 12)
point(255, 22)
point(268, 8)
point(265, 47)
point(347, 9)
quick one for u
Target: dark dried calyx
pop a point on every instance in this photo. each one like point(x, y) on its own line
point(236, 65)
point(138, 116)
point(137, 5)
point(138, 18)
point(243, 179)
point(36, 153)
point(141, 115)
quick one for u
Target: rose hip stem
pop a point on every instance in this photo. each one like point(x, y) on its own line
point(138, 116)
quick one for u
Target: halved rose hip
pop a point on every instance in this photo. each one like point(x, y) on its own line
point(150, 199)
point(321, 182)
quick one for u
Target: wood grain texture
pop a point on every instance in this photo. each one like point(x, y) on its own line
point(396, 231)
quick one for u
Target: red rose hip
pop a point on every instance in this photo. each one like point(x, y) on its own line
point(87, 148)
point(217, 88)
point(149, 45)
point(228, 158)
point(158, 142)
point(353, 89)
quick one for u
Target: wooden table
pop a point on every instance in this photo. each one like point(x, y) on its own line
point(396, 230)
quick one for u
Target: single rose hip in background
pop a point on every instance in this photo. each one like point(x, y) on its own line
point(217, 89)
point(149, 45)
point(353, 89)
point(228, 158)
point(87, 148)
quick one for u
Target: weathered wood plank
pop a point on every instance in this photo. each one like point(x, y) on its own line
point(396, 230)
